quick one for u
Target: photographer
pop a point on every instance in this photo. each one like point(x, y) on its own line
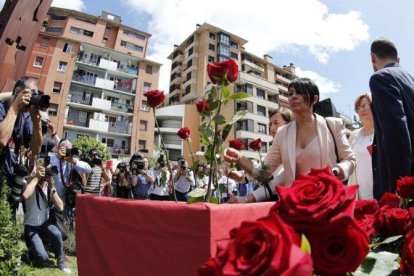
point(142, 178)
point(159, 190)
point(98, 173)
point(183, 179)
point(38, 196)
point(20, 125)
point(121, 181)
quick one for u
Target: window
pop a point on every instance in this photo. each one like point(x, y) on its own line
point(261, 110)
point(57, 17)
point(190, 51)
point(189, 63)
point(38, 62)
point(44, 42)
point(245, 105)
point(188, 76)
point(224, 51)
point(57, 87)
point(108, 28)
point(76, 30)
point(67, 48)
point(249, 89)
point(142, 144)
point(66, 134)
point(188, 89)
point(62, 66)
point(246, 125)
point(260, 93)
point(143, 125)
point(262, 128)
point(190, 40)
point(148, 69)
point(147, 86)
point(212, 36)
point(234, 55)
point(82, 116)
point(54, 29)
point(104, 40)
point(210, 59)
point(144, 106)
point(52, 110)
point(211, 47)
point(131, 46)
point(134, 34)
point(109, 142)
point(224, 39)
point(234, 45)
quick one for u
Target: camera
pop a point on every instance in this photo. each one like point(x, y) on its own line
point(161, 161)
point(72, 152)
point(137, 162)
point(122, 167)
point(44, 160)
point(183, 165)
point(39, 100)
point(19, 181)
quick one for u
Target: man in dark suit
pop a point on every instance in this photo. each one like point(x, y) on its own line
point(392, 105)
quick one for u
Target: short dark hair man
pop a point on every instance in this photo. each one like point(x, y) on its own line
point(392, 106)
point(20, 125)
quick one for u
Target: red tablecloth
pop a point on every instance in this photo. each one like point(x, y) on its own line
point(130, 237)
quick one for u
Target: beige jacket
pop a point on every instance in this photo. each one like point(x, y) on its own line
point(283, 149)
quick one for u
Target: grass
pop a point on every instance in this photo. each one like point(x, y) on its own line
point(51, 269)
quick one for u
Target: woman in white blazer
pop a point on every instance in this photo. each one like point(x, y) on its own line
point(305, 143)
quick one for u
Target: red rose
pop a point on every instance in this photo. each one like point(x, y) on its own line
point(267, 246)
point(366, 214)
point(210, 268)
point(314, 199)
point(338, 247)
point(389, 200)
point(226, 69)
point(155, 98)
point(184, 133)
point(405, 186)
point(393, 221)
point(407, 257)
point(236, 144)
point(202, 106)
point(256, 144)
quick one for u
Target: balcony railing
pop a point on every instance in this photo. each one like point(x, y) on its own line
point(122, 107)
point(109, 65)
point(118, 151)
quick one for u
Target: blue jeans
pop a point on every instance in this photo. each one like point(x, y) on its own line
point(34, 236)
point(181, 196)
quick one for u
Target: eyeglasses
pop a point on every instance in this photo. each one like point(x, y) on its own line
point(362, 107)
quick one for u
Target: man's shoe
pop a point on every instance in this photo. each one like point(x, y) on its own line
point(62, 266)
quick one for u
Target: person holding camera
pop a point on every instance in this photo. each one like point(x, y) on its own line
point(38, 196)
point(183, 179)
point(98, 173)
point(142, 178)
point(159, 190)
point(20, 125)
point(121, 181)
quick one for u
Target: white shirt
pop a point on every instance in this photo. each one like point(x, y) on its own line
point(159, 188)
point(183, 185)
point(363, 171)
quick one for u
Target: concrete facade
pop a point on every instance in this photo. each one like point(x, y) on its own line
point(95, 70)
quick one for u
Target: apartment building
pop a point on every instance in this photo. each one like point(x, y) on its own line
point(95, 70)
point(259, 76)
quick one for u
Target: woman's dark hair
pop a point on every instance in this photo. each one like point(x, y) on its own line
point(305, 87)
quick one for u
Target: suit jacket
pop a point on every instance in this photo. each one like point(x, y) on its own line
point(283, 149)
point(392, 105)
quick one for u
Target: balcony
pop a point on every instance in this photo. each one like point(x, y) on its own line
point(127, 108)
point(119, 151)
point(98, 125)
point(253, 65)
point(120, 127)
point(109, 65)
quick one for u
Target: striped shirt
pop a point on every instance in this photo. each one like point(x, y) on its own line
point(93, 186)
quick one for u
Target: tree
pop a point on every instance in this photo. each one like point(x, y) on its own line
point(86, 144)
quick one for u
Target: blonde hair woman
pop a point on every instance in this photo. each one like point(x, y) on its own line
point(361, 143)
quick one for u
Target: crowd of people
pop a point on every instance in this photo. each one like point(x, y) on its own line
point(45, 172)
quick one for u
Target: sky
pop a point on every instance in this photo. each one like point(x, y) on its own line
point(327, 40)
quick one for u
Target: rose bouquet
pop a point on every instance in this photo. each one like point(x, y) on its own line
point(318, 227)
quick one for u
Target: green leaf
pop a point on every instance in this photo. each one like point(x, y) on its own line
point(237, 117)
point(225, 92)
point(226, 131)
point(239, 96)
point(214, 200)
point(220, 120)
point(198, 192)
point(305, 245)
point(378, 263)
point(386, 241)
point(195, 199)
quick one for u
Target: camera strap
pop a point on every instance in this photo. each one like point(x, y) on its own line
point(62, 177)
point(40, 192)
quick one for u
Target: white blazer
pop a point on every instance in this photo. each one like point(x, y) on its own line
point(283, 149)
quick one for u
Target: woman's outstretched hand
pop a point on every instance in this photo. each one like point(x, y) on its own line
point(231, 155)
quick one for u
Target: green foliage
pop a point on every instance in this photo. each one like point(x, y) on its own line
point(378, 263)
point(69, 245)
point(10, 249)
point(86, 144)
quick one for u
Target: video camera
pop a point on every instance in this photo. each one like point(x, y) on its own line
point(161, 161)
point(39, 100)
point(44, 160)
point(94, 159)
point(73, 152)
point(137, 162)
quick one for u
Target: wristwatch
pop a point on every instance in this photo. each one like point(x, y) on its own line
point(53, 191)
point(335, 171)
